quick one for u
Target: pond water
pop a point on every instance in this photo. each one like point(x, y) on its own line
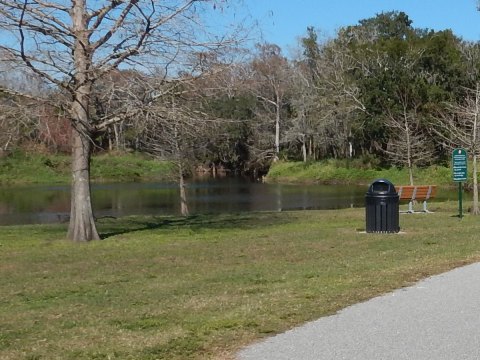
point(50, 204)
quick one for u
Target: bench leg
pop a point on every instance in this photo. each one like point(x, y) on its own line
point(425, 207)
point(410, 207)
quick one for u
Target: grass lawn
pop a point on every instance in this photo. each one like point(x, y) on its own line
point(338, 172)
point(37, 168)
point(202, 287)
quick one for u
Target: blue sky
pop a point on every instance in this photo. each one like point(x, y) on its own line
point(283, 21)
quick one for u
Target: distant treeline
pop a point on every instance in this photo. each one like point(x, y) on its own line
point(382, 91)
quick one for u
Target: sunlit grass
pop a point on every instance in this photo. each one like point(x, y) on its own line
point(28, 168)
point(334, 172)
point(201, 287)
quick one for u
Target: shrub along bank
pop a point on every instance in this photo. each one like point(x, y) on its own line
point(339, 172)
point(32, 168)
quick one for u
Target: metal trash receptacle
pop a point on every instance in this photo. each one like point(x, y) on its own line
point(382, 208)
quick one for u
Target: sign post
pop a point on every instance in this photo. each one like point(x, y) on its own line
point(459, 168)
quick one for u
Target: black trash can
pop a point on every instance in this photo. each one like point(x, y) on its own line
point(381, 208)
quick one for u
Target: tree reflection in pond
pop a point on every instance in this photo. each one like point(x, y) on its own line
point(50, 204)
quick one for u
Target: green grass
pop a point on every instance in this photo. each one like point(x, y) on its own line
point(128, 167)
point(336, 172)
point(202, 287)
point(29, 168)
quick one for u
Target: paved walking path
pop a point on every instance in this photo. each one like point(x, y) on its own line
point(438, 318)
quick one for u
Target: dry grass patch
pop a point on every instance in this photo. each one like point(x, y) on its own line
point(201, 287)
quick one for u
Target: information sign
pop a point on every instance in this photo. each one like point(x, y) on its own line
point(459, 169)
point(459, 165)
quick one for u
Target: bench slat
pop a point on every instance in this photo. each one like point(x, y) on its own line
point(419, 192)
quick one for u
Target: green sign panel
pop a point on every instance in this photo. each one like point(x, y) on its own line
point(459, 165)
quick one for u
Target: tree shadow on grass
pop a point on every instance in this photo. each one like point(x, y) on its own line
point(112, 227)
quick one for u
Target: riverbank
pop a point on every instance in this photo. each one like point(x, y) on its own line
point(338, 172)
point(202, 287)
point(29, 168)
point(32, 168)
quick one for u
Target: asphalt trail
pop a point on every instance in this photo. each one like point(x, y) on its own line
point(437, 318)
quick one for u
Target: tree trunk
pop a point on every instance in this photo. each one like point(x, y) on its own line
point(410, 173)
point(277, 130)
point(475, 210)
point(311, 149)
point(178, 155)
point(183, 194)
point(82, 222)
point(409, 146)
point(110, 143)
point(304, 148)
point(117, 137)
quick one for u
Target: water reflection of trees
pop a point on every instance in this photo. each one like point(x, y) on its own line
point(228, 195)
point(33, 200)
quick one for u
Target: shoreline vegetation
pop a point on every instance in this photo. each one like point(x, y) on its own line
point(340, 172)
point(23, 168)
point(202, 287)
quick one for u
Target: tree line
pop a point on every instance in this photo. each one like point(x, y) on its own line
point(378, 90)
point(130, 75)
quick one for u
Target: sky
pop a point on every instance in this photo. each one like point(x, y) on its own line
point(283, 21)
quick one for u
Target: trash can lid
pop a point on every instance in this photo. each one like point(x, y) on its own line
point(382, 186)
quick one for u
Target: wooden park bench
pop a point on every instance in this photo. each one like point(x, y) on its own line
point(416, 193)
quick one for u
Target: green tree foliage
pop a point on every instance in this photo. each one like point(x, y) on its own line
point(231, 146)
point(341, 97)
point(399, 69)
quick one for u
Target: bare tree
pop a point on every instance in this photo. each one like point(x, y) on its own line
point(312, 120)
point(459, 126)
point(16, 118)
point(408, 146)
point(73, 44)
point(271, 74)
point(119, 96)
point(174, 128)
point(302, 102)
point(322, 74)
point(165, 136)
point(19, 114)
